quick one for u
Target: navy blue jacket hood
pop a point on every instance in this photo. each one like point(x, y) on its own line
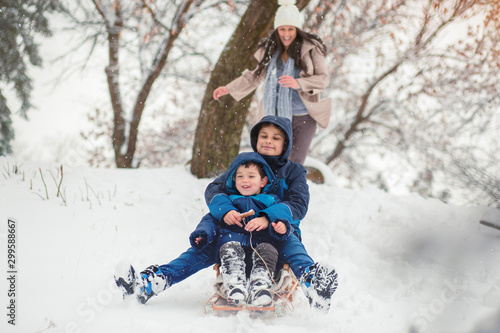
point(243, 158)
point(286, 126)
point(263, 204)
point(290, 182)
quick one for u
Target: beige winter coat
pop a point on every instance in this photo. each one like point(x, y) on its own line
point(313, 79)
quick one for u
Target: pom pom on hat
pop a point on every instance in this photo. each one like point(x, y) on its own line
point(287, 14)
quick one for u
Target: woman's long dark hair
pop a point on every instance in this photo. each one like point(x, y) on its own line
point(272, 43)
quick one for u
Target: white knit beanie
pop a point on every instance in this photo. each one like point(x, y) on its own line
point(287, 14)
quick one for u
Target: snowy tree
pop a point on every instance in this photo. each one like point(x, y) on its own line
point(405, 82)
point(140, 36)
point(157, 26)
point(20, 22)
point(408, 87)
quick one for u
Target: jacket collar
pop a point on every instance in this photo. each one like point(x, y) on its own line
point(229, 182)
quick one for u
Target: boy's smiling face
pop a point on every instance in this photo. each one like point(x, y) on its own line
point(270, 141)
point(248, 180)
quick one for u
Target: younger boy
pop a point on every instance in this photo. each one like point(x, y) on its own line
point(248, 178)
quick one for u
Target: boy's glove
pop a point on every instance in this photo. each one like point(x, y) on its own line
point(198, 239)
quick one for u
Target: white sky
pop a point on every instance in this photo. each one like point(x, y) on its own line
point(60, 108)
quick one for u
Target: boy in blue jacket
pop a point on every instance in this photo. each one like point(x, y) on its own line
point(248, 180)
point(271, 137)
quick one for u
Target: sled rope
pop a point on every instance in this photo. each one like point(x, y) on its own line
point(244, 217)
point(244, 220)
point(267, 268)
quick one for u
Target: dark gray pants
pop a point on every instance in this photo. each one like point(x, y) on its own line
point(266, 257)
point(304, 129)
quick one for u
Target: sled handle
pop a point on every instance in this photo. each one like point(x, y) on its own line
point(249, 213)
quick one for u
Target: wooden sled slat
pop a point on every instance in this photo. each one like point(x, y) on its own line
point(281, 299)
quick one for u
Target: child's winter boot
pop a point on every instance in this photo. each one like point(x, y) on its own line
point(264, 265)
point(319, 283)
point(125, 278)
point(150, 282)
point(232, 268)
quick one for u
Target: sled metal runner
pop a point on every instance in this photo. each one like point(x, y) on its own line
point(282, 292)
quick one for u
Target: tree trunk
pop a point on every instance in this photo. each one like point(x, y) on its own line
point(156, 69)
point(113, 74)
point(218, 133)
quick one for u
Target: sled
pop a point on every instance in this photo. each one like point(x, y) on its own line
point(282, 292)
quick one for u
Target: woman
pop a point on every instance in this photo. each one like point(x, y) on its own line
point(293, 69)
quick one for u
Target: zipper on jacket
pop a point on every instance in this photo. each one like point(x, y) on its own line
point(278, 180)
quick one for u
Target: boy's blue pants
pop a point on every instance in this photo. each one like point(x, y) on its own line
point(292, 251)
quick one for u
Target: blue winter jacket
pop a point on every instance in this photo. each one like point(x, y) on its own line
point(290, 178)
point(262, 204)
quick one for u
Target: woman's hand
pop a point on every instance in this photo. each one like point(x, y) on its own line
point(289, 82)
point(257, 224)
point(221, 91)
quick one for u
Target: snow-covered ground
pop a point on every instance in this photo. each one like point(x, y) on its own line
point(406, 264)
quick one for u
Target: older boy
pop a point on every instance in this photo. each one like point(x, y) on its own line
point(271, 137)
